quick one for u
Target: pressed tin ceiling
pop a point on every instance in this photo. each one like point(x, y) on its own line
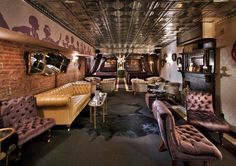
point(125, 25)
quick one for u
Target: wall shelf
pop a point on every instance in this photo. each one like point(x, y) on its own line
point(198, 65)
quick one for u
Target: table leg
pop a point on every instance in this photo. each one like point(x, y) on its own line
point(91, 116)
point(106, 106)
point(103, 113)
point(94, 117)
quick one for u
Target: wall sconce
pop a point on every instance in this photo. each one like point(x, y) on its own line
point(151, 65)
point(75, 59)
point(179, 64)
point(168, 60)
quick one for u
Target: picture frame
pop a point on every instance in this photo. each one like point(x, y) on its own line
point(174, 56)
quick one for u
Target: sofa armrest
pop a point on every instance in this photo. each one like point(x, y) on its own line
point(52, 100)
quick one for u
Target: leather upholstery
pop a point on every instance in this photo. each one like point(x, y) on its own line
point(149, 98)
point(129, 75)
point(183, 142)
point(108, 85)
point(199, 101)
point(200, 112)
point(64, 103)
point(139, 85)
point(154, 79)
point(92, 79)
point(20, 114)
point(172, 88)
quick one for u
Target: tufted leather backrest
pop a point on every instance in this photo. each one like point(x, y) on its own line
point(165, 121)
point(81, 88)
point(18, 109)
point(199, 101)
point(70, 89)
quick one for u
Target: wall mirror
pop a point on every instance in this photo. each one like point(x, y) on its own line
point(46, 63)
point(36, 63)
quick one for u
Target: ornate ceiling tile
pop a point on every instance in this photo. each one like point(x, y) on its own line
point(132, 23)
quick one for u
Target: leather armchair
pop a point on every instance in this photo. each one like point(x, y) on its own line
point(21, 115)
point(108, 85)
point(172, 88)
point(200, 113)
point(183, 142)
point(154, 79)
point(139, 85)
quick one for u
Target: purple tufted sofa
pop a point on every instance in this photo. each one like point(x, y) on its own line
point(184, 142)
point(20, 114)
point(200, 113)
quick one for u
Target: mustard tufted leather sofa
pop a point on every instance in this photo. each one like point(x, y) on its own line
point(184, 142)
point(64, 103)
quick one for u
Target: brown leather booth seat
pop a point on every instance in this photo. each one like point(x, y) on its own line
point(184, 142)
point(136, 74)
point(105, 74)
point(64, 103)
point(20, 114)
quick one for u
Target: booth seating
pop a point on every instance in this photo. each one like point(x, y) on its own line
point(21, 115)
point(183, 142)
point(129, 75)
point(64, 103)
point(105, 74)
point(200, 113)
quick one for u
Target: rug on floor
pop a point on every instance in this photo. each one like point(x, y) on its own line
point(132, 124)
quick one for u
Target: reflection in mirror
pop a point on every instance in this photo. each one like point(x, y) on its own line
point(36, 62)
point(46, 63)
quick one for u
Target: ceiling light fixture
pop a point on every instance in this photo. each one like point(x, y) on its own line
point(179, 5)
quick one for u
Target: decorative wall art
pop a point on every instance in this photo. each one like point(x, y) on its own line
point(174, 56)
point(233, 52)
point(36, 25)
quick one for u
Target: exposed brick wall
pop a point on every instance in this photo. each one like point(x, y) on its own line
point(14, 80)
